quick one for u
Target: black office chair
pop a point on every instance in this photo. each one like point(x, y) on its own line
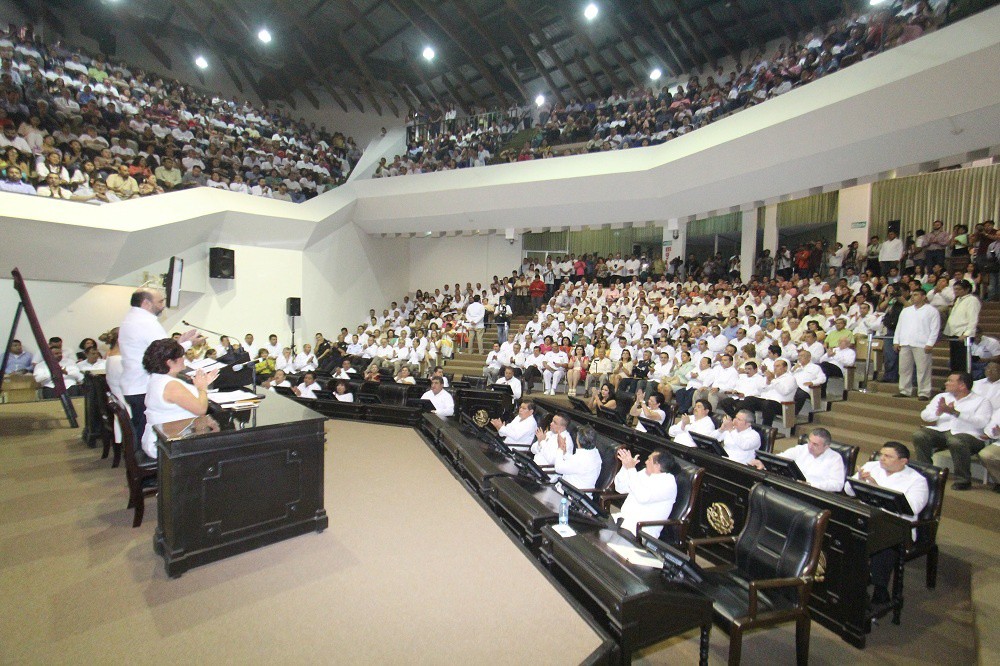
point(767, 436)
point(776, 556)
point(393, 394)
point(140, 470)
point(475, 382)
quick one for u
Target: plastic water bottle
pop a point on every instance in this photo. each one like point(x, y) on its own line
point(564, 512)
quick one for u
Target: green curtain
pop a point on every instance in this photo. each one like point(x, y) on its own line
point(814, 209)
point(958, 196)
point(720, 224)
point(602, 241)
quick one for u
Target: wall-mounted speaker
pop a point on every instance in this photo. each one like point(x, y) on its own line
point(293, 306)
point(222, 263)
point(893, 226)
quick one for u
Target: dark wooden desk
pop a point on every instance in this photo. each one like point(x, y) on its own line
point(856, 530)
point(637, 604)
point(234, 481)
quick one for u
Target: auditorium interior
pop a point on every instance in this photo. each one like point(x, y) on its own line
point(319, 172)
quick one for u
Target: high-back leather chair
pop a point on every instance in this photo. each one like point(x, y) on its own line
point(675, 528)
point(141, 479)
point(107, 426)
point(776, 556)
point(767, 436)
point(392, 393)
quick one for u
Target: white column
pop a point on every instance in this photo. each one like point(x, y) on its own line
point(771, 231)
point(854, 205)
point(748, 243)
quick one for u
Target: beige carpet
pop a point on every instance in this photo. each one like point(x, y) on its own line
point(411, 570)
point(416, 573)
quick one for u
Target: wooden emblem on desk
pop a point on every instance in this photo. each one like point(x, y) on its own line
point(720, 517)
point(481, 418)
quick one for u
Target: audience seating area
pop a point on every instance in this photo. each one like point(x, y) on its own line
point(644, 117)
point(80, 127)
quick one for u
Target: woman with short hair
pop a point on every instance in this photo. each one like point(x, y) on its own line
point(168, 398)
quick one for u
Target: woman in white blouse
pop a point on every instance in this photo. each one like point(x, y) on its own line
point(168, 398)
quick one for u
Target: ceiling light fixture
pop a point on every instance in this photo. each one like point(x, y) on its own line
point(428, 53)
point(264, 36)
point(655, 74)
point(540, 100)
point(201, 62)
point(590, 12)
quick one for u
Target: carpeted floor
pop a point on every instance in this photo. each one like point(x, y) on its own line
point(413, 572)
point(410, 570)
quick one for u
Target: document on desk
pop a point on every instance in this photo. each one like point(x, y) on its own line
point(230, 397)
point(564, 530)
point(206, 364)
point(636, 556)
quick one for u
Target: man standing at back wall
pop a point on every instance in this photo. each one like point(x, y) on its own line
point(139, 328)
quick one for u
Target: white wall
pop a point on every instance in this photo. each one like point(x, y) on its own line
point(854, 207)
point(347, 273)
point(435, 261)
point(254, 302)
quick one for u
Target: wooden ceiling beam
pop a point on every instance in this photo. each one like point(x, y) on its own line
point(581, 63)
point(744, 18)
point(457, 38)
point(655, 46)
point(682, 17)
point(425, 30)
point(529, 51)
point(652, 18)
point(720, 34)
point(580, 31)
point(780, 18)
point(547, 45)
point(470, 17)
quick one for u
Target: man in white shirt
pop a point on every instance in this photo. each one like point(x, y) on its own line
point(892, 471)
point(493, 365)
point(989, 386)
point(822, 466)
point(651, 492)
point(475, 314)
point(554, 369)
point(781, 387)
point(138, 329)
point(957, 417)
point(807, 375)
point(739, 439)
point(890, 253)
point(581, 469)
point(72, 376)
point(916, 332)
point(520, 432)
point(724, 380)
point(308, 387)
point(444, 404)
point(985, 348)
point(509, 379)
point(272, 346)
point(750, 383)
point(554, 444)
point(93, 362)
point(305, 360)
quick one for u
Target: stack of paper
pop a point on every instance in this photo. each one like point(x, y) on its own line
point(206, 364)
point(636, 556)
point(234, 398)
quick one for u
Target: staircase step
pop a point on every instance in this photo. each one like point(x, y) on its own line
point(864, 412)
point(883, 397)
point(878, 429)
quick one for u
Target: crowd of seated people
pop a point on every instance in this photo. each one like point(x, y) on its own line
point(644, 117)
point(82, 128)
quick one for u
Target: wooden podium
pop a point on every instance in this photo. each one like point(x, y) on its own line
point(234, 481)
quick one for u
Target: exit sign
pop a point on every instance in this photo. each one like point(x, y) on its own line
point(859, 225)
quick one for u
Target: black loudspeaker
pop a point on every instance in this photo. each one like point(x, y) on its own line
point(894, 227)
point(221, 263)
point(293, 306)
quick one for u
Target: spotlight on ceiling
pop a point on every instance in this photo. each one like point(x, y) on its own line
point(428, 53)
point(875, 2)
point(590, 12)
point(201, 62)
point(540, 100)
point(264, 36)
point(655, 74)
